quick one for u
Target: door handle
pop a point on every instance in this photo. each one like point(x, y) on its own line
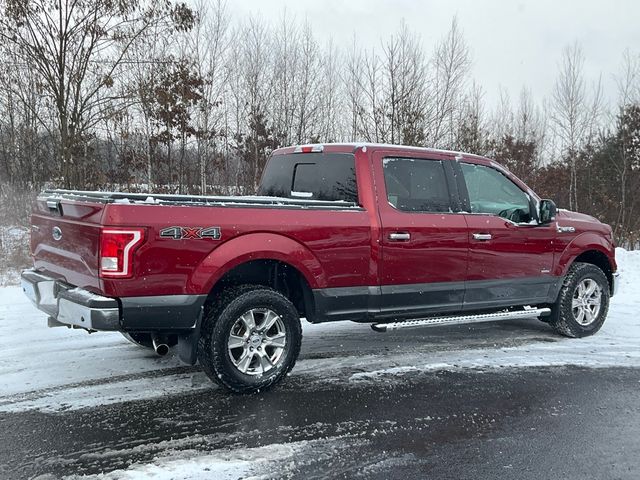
point(482, 236)
point(399, 236)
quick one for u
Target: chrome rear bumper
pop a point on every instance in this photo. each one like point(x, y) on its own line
point(71, 306)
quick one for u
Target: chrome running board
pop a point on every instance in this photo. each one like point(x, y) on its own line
point(528, 312)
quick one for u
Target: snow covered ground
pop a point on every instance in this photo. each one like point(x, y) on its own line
point(55, 370)
point(14, 253)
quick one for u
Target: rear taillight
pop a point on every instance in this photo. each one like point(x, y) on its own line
point(116, 251)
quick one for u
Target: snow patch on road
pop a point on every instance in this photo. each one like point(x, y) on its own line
point(87, 396)
point(266, 462)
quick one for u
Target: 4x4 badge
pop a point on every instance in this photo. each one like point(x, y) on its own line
point(190, 233)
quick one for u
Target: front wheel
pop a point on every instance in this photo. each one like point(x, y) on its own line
point(583, 302)
point(250, 338)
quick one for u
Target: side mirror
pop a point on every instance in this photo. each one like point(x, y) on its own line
point(547, 212)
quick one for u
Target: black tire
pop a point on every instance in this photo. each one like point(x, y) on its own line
point(218, 322)
point(562, 318)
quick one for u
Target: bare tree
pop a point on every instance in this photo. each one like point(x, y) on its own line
point(628, 80)
point(451, 63)
point(574, 113)
point(405, 87)
point(25, 130)
point(530, 124)
point(627, 156)
point(372, 118)
point(470, 126)
point(330, 121)
point(502, 117)
point(208, 44)
point(77, 49)
point(251, 94)
point(147, 57)
point(353, 82)
point(286, 72)
point(387, 93)
point(307, 98)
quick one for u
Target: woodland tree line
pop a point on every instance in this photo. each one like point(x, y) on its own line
point(152, 95)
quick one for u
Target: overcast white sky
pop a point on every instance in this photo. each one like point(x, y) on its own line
point(513, 43)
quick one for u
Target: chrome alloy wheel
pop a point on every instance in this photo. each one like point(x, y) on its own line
point(256, 342)
point(586, 303)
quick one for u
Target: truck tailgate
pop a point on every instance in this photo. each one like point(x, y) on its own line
point(65, 240)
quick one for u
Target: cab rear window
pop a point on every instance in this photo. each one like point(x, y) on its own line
point(311, 176)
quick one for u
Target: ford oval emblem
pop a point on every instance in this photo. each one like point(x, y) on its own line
point(57, 233)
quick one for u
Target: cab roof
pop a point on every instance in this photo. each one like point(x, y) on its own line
point(351, 147)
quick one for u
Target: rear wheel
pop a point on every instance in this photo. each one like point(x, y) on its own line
point(250, 338)
point(583, 302)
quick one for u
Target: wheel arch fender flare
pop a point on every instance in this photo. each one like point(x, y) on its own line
point(256, 246)
point(583, 243)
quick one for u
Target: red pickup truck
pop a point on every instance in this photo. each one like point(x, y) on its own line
point(396, 236)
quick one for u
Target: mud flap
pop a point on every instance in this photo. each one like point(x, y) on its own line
point(187, 347)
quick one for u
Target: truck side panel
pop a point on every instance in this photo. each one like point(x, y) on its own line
point(339, 239)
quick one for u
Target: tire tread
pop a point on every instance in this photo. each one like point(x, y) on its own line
point(561, 318)
point(211, 360)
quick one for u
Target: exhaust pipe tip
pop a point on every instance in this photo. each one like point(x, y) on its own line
point(162, 349)
point(159, 345)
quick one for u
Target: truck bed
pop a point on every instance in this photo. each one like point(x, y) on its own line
point(308, 233)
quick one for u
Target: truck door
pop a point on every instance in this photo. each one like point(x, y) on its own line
point(424, 236)
point(510, 254)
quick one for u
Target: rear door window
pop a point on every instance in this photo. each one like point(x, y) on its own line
point(311, 176)
point(416, 185)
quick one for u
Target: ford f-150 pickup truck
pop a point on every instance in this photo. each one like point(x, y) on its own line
point(395, 236)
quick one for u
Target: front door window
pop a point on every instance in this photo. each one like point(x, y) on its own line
point(493, 193)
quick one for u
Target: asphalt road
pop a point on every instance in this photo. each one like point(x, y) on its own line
point(554, 422)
